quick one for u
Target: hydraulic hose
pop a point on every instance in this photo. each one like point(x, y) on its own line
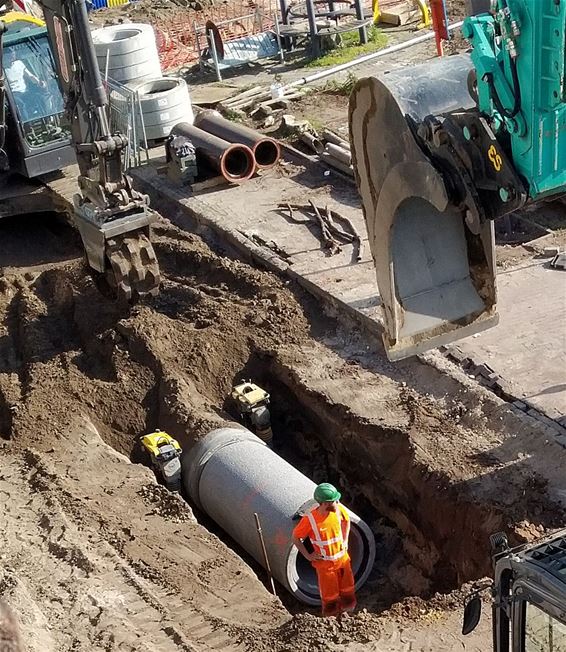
point(516, 93)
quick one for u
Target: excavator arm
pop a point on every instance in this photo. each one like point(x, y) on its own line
point(112, 218)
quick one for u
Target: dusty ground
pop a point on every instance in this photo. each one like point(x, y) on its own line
point(145, 11)
point(97, 556)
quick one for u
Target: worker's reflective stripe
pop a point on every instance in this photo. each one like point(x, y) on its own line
point(324, 544)
point(327, 542)
point(338, 555)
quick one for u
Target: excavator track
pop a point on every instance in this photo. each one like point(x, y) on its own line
point(133, 269)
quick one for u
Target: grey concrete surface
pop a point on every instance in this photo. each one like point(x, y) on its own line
point(206, 87)
point(528, 347)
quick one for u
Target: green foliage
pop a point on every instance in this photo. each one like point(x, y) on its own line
point(344, 87)
point(316, 123)
point(234, 116)
point(350, 48)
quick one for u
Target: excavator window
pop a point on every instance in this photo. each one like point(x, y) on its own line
point(543, 633)
point(31, 75)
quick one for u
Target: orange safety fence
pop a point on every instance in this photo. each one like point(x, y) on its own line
point(177, 41)
point(176, 36)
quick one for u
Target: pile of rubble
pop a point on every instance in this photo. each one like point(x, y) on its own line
point(167, 504)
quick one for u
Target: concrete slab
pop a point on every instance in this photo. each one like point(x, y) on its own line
point(211, 94)
point(528, 348)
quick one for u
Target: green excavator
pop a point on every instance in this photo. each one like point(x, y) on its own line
point(442, 150)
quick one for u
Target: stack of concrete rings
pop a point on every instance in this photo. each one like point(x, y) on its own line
point(164, 102)
point(127, 53)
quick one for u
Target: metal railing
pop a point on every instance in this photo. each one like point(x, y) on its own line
point(238, 41)
point(175, 31)
point(125, 116)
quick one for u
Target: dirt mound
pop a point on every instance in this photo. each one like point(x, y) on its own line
point(456, 9)
point(122, 560)
point(65, 347)
point(146, 11)
point(166, 504)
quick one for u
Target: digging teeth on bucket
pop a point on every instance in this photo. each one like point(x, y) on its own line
point(134, 270)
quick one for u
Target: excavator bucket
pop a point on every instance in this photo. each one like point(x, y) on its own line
point(436, 278)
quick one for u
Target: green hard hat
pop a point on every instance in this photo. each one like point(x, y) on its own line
point(326, 492)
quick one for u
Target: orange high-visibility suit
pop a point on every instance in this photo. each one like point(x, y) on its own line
point(335, 578)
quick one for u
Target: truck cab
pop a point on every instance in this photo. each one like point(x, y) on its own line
point(529, 597)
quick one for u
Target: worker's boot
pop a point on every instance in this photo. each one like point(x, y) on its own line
point(347, 602)
point(331, 608)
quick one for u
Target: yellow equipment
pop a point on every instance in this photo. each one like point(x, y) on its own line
point(422, 5)
point(164, 452)
point(252, 402)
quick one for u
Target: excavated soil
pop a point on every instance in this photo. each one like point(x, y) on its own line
point(97, 556)
point(146, 11)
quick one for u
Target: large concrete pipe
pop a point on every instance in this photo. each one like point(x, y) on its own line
point(266, 150)
point(231, 474)
point(235, 162)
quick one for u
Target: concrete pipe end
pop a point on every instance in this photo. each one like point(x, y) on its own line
point(237, 163)
point(266, 153)
point(115, 33)
point(158, 85)
point(301, 576)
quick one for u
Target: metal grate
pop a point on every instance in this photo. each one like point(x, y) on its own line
point(551, 557)
point(125, 116)
point(176, 40)
point(244, 39)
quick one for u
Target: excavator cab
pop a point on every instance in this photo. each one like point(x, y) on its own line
point(55, 113)
point(38, 138)
point(528, 596)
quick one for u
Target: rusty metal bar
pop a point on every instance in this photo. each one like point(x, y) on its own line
point(264, 552)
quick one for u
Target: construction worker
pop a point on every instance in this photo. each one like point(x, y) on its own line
point(328, 527)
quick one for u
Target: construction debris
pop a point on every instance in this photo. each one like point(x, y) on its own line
point(259, 97)
point(331, 137)
point(313, 142)
point(335, 152)
point(400, 15)
point(559, 261)
point(333, 162)
point(339, 153)
point(332, 235)
point(291, 126)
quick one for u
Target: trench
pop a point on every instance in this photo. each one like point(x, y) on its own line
point(428, 539)
point(171, 365)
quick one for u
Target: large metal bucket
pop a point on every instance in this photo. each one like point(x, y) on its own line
point(436, 278)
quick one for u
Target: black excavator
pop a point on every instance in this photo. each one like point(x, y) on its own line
point(55, 113)
point(528, 596)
